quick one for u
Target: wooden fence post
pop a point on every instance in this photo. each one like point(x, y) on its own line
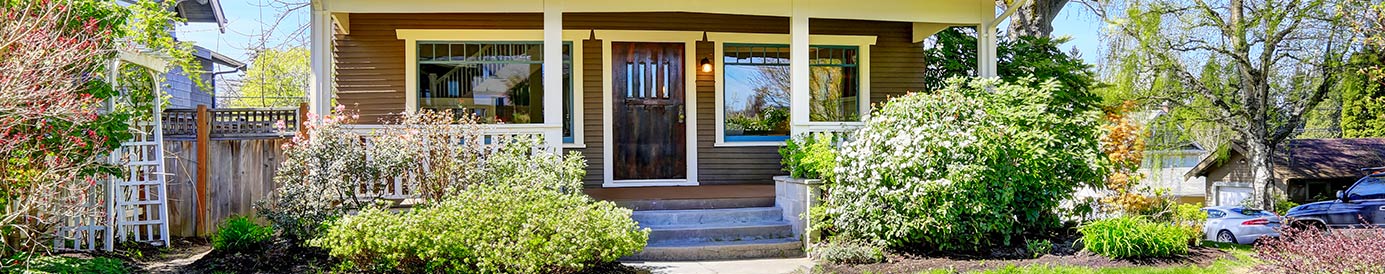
point(303, 119)
point(204, 132)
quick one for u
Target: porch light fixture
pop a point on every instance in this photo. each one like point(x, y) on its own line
point(706, 64)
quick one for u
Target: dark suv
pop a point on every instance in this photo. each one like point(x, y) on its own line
point(1363, 203)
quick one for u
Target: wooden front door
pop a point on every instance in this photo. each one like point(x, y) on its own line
point(649, 135)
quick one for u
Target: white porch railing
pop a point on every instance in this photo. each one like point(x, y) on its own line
point(403, 186)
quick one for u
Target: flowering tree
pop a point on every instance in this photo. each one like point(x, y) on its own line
point(54, 127)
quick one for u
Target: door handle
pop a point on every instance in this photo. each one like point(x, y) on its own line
point(681, 116)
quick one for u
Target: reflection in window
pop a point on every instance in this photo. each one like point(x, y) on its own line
point(500, 82)
point(756, 89)
point(756, 94)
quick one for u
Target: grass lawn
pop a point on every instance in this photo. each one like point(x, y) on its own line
point(64, 264)
point(1242, 262)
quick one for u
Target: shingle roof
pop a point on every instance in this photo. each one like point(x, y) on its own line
point(1314, 158)
point(1328, 158)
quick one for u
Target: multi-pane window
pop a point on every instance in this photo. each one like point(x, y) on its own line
point(500, 82)
point(756, 89)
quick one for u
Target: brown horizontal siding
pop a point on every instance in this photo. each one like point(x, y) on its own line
point(370, 72)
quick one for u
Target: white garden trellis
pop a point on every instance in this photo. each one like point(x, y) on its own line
point(134, 203)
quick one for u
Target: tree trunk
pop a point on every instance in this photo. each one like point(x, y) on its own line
point(1035, 19)
point(1260, 156)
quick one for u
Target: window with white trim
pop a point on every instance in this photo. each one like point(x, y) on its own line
point(500, 82)
point(755, 98)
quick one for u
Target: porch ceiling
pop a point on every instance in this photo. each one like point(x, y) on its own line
point(955, 12)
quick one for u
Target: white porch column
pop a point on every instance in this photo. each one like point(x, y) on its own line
point(553, 72)
point(320, 86)
point(986, 50)
point(798, 67)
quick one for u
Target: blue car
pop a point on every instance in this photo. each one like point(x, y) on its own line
point(1361, 205)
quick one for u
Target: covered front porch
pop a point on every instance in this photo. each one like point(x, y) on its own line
point(689, 118)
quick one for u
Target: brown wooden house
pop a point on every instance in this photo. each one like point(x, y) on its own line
point(678, 106)
point(654, 93)
point(1305, 170)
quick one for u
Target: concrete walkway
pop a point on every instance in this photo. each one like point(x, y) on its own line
point(757, 266)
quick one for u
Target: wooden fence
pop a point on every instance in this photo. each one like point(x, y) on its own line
point(240, 173)
point(222, 161)
point(233, 123)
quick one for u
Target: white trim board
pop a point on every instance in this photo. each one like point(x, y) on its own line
point(689, 40)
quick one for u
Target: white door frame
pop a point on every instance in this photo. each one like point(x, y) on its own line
point(689, 38)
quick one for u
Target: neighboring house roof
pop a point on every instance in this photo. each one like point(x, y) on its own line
point(208, 54)
point(198, 11)
point(1314, 158)
point(202, 11)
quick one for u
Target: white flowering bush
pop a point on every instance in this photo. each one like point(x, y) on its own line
point(974, 165)
point(316, 178)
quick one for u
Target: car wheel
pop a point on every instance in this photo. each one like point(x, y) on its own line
point(1226, 237)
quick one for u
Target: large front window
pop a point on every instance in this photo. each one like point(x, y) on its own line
point(756, 89)
point(499, 82)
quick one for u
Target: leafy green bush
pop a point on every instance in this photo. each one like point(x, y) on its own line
point(488, 229)
point(1190, 218)
point(848, 252)
point(810, 156)
point(963, 168)
point(1037, 248)
point(239, 233)
point(1133, 237)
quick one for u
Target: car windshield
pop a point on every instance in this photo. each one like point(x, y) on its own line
point(1370, 187)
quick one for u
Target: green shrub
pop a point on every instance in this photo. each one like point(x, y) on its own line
point(488, 229)
point(240, 233)
point(809, 156)
point(1282, 204)
point(1037, 248)
point(848, 252)
point(1133, 237)
point(963, 168)
point(1190, 218)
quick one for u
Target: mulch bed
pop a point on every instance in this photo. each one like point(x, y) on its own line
point(277, 257)
point(1065, 253)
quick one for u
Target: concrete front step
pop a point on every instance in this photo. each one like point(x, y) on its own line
point(730, 250)
point(720, 233)
point(681, 204)
point(708, 216)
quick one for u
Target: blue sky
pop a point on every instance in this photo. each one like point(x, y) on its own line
point(245, 20)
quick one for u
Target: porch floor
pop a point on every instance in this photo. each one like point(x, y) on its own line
point(681, 192)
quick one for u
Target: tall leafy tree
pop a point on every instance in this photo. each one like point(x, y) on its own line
point(276, 78)
point(1034, 18)
point(1363, 98)
point(953, 54)
point(1363, 89)
point(1252, 69)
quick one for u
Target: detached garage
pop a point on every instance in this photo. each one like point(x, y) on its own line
point(1305, 170)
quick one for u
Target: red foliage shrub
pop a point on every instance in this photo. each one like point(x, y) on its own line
point(1315, 251)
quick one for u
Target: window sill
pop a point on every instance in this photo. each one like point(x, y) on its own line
point(748, 144)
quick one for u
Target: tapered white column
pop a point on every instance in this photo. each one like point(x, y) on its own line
point(798, 66)
point(553, 72)
point(320, 86)
point(986, 50)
